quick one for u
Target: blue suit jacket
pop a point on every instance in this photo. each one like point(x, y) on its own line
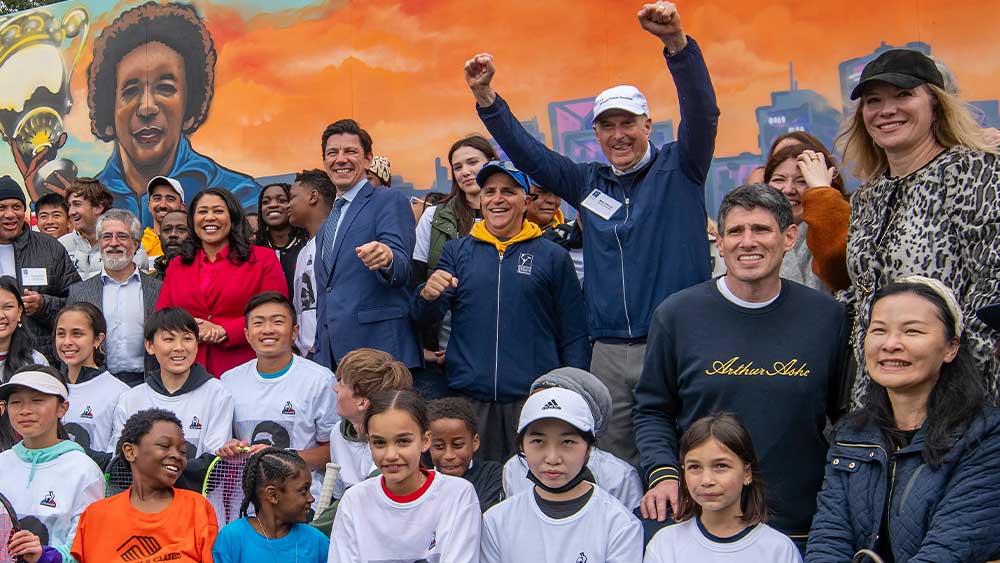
point(358, 307)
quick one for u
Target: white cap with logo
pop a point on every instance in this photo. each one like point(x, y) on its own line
point(35, 380)
point(563, 404)
point(624, 97)
point(165, 181)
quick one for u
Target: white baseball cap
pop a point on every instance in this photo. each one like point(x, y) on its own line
point(562, 404)
point(165, 181)
point(624, 97)
point(36, 380)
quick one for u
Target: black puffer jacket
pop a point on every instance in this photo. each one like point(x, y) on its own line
point(36, 250)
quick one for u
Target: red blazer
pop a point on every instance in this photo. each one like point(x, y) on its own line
point(224, 300)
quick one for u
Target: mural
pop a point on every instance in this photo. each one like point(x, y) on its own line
point(237, 92)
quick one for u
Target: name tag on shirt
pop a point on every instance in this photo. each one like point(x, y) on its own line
point(34, 276)
point(602, 204)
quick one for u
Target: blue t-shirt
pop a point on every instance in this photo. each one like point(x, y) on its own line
point(239, 542)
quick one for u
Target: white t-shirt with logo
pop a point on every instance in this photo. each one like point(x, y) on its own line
point(296, 410)
point(206, 414)
point(304, 296)
point(685, 542)
point(7, 267)
point(613, 475)
point(516, 530)
point(354, 459)
point(442, 526)
point(91, 415)
point(54, 492)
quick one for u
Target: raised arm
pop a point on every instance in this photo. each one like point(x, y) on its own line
point(557, 173)
point(695, 95)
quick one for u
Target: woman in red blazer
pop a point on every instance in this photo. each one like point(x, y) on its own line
point(216, 275)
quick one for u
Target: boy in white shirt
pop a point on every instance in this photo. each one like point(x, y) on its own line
point(280, 399)
point(562, 516)
point(183, 387)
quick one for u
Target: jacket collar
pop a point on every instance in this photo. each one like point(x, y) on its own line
point(529, 231)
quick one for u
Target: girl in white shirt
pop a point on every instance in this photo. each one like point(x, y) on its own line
point(721, 502)
point(563, 517)
point(79, 338)
point(408, 513)
point(47, 478)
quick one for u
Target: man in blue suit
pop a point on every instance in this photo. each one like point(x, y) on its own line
point(363, 255)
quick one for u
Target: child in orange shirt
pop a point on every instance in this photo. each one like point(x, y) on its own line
point(152, 521)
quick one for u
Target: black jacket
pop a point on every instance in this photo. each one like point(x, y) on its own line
point(38, 250)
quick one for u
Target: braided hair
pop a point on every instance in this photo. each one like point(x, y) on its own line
point(266, 467)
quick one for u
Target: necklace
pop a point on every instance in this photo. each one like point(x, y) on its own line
point(268, 541)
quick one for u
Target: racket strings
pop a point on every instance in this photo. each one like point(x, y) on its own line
point(224, 487)
point(8, 526)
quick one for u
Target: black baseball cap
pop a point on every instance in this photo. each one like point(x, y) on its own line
point(903, 68)
point(990, 314)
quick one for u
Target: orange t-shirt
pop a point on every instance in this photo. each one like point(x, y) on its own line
point(112, 531)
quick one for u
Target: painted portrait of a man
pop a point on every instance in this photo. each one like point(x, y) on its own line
point(150, 85)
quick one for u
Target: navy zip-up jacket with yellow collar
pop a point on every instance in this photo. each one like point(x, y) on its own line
point(654, 243)
point(514, 316)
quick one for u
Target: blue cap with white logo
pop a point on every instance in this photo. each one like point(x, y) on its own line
point(508, 168)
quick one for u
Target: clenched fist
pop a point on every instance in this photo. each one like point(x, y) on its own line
point(662, 20)
point(438, 283)
point(375, 255)
point(479, 71)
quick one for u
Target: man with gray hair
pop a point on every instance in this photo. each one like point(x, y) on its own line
point(124, 293)
point(749, 342)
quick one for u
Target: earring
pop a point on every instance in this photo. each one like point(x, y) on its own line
point(747, 484)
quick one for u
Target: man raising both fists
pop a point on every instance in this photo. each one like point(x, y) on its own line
point(516, 308)
point(643, 214)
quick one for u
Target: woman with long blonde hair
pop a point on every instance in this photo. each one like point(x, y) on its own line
point(929, 204)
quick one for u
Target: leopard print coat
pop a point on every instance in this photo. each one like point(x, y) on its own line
point(942, 221)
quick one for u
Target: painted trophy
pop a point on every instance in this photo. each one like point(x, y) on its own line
point(36, 93)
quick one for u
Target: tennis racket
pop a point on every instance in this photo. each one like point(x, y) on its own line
point(8, 527)
point(326, 494)
point(117, 477)
point(223, 487)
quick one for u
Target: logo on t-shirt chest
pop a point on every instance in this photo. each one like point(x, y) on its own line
point(736, 367)
point(49, 500)
point(288, 409)
point(87, 413)
point(195, 423)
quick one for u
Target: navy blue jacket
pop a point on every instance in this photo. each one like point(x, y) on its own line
point(941, 515)
point(358, 307)
point(654, 244)
point(513, 318)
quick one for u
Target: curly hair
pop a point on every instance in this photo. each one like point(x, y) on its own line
point(140, 424)
point(456, 408)
point(177, 26)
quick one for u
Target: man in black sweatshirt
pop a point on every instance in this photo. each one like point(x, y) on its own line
point(749, 342)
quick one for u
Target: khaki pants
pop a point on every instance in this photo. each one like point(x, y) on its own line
point(619, 366)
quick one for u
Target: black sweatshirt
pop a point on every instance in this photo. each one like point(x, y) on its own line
point(780, 368)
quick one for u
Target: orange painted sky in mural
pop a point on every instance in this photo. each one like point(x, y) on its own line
point(396, 66)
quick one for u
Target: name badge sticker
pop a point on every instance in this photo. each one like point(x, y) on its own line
point(34, 276)
point(602, 204)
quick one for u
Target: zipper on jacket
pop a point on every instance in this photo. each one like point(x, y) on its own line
point(496, 348)
point(888, 509)
point(621, 257)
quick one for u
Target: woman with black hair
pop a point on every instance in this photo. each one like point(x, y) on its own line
point(275, 231)
point(215, 276)
point(914, 475)
point(16, 349)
